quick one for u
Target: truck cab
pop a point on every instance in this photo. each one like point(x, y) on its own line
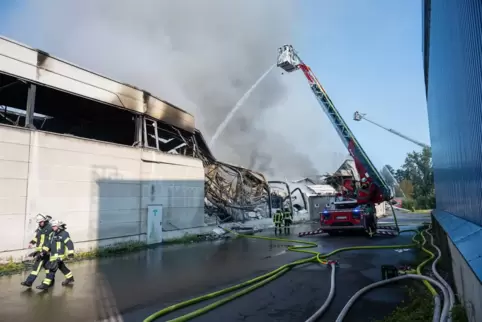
point(343, 215)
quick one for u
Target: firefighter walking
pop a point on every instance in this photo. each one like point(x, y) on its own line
point(287, 219)
point(277, 219)
point(60, 246)
point(41, 237)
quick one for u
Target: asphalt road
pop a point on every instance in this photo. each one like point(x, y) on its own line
point(131, 287)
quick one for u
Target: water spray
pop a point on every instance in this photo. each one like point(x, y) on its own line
point(236, 107)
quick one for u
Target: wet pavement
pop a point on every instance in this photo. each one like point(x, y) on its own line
point(134, 286)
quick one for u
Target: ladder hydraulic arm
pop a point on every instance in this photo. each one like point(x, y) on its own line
point(359, 116)
point(289, 61)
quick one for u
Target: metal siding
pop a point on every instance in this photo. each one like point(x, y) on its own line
point(455, 106)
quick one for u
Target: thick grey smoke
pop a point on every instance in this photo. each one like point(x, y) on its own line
point(199, 55)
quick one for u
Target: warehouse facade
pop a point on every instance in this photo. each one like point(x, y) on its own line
point(452, 48)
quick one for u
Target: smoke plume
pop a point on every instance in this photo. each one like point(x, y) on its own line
point(199, 55)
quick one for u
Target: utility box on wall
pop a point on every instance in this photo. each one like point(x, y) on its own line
point(154, 224)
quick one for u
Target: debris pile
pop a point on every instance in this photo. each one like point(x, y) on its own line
point(234, 193)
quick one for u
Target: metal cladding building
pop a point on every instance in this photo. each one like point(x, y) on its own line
point(452, 46)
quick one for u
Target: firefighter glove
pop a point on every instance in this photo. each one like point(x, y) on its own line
point(34, 254)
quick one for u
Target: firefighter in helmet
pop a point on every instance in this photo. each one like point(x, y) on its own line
point(41, 259)
point(287, 219)
point(60, 246)
point(277, 219)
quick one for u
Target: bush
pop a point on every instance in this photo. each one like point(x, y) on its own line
point(425, 202)
point(408, 204)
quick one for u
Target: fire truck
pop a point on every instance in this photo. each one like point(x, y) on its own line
point(356, 209)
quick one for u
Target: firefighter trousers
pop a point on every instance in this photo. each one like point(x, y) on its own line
point(276, 227)
point(287, 223)
point(39, 263)
point(53, 266)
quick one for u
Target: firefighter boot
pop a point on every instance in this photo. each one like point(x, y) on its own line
point(68, 281)
point(43, 287)
point(26, 283)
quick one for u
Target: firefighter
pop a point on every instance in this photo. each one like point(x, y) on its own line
point(277, 218)
point(41, 259)
point(287, 219)
point(60, 246)
point(364, 197)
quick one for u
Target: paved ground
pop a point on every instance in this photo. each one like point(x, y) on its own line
point(137, 285)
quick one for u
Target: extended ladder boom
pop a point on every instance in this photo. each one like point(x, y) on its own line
point(359, 116)
point(289, 61)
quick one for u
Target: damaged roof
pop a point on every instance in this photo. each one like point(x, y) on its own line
point(36, 66)
point(347, 169)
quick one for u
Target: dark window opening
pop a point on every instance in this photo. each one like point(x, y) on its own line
point(13, 100)
point(65, 113)
point(84, 118)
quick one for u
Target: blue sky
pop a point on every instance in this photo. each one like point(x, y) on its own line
point(368, 56)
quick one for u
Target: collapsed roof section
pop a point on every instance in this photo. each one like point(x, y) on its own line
point(231, 190)
point(78, 102)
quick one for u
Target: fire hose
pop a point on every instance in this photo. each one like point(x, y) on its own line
point(259, 281)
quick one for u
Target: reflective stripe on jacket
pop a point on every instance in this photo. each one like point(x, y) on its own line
point(277, 217)
point(41, 236)
point(59, 245)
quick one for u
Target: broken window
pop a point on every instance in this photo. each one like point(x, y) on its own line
point(64, 113)
point(169, 139)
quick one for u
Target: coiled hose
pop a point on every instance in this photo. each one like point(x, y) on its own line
point(266, 278)
point(448, 294)
point(447, 286)
point(350, 303)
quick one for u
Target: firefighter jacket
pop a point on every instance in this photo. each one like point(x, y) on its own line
point(277, 217)
point(287, 215)
point(41, 236)
point(60, 245)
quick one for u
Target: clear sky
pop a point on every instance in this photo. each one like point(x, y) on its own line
point(368, 56)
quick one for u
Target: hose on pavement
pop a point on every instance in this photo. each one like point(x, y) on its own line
point(352, 300)
point(439, 315)
point(328, 300)
point(259, 281)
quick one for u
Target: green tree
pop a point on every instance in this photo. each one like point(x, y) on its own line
point(400, 175)
point(407, 188)
point(418, 170)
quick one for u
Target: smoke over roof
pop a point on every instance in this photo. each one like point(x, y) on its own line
point(200, 55)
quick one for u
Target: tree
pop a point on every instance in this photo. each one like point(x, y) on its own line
point(407, 188)
point(400, 175)
point(417, 169)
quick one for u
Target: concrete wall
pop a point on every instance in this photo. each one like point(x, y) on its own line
point(469, 289)
point(100, 190)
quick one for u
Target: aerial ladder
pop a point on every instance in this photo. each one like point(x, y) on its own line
point(289, 61)
point(357, 116)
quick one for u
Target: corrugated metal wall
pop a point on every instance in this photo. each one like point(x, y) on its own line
point(455, 106)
